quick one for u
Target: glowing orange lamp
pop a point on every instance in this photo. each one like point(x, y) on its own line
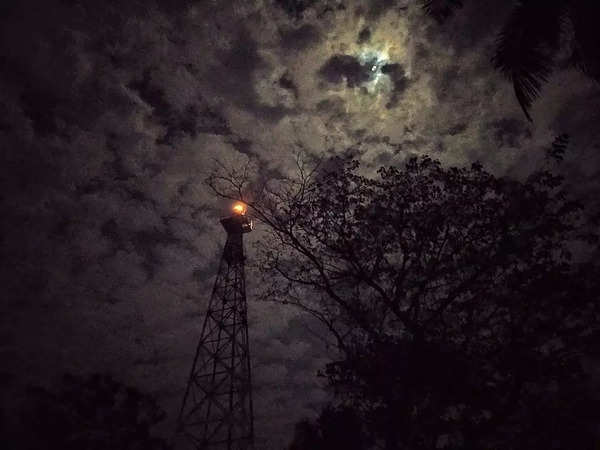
point(239, 208)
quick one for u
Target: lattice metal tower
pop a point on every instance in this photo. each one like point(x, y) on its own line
point(216, 412)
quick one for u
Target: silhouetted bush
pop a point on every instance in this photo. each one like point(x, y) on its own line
point(92, 413)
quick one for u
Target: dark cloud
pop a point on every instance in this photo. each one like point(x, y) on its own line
point(145, 243)
point(110, 230)
point(117, 168)
point(446, 83)
point(364, 35)
point(399, 82)
point(286, 82)
point(510, 132)
point(242, 145)
point(39, 106)
point(457, 129)
point(372, 139)
point(300, 38)
point(330, 105)
point(152, 94)
point(233, 74)
point(441, 10)
point(469, 26)
point(377, 8)
point(211, 122)
point(340, 68)
point(190, 121)
point(383, 159)
point(295, 8)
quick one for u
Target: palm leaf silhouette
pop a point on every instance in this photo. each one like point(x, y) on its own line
point(584, 16)
point(526, 46)
point(559, 147)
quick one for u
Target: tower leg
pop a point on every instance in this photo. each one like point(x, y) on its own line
point(216, 412)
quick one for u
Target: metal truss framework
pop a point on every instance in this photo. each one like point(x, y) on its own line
point(217, 406)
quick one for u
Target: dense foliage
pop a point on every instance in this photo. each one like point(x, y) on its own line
point(92, 413)
point(461, 314)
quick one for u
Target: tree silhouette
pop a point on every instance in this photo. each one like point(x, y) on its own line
point(92, 413)
point(459, 310)
point(335, 428)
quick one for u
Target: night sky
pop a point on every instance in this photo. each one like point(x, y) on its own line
point(113, 113)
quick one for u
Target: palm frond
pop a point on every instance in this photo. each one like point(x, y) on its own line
point(526, 46)
point(441, 10)
point(584, 17)
point(558, 147)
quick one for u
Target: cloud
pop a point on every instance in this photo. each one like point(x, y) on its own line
point(300, 38)
point(378, 8)
point(364, 36)
point(233, 72)
point(286, 82)
point(191, 118)
point(295, 8)
point(510, 132)
point(399, 82)
point(345, 68)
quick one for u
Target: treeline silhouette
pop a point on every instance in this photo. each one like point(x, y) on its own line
point(464, 305)
point(92, 412)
